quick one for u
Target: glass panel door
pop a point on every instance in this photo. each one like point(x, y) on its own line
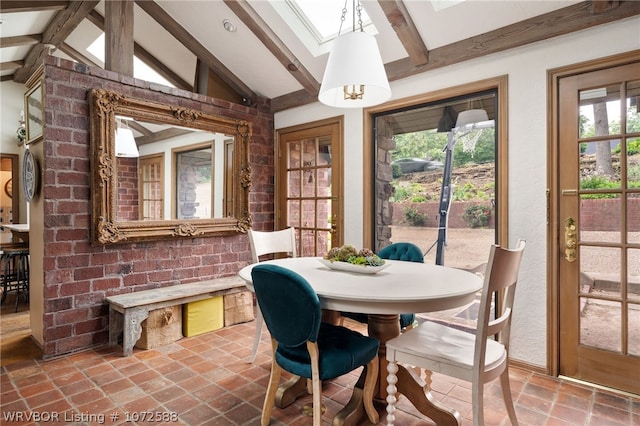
point(600, 189)
point(310, 197)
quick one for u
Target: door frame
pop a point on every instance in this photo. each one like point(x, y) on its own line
point(337, 170)
point(501, 85)
point(555, 224)
point(16, 184)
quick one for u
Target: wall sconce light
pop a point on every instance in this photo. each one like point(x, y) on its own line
point(21, 131)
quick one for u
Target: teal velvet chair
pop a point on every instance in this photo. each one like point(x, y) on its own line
point(305, 346)
point(408, 252)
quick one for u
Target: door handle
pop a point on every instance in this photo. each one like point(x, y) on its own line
point(334, 226)
point(570, 240)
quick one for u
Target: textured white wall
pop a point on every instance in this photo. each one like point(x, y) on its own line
point(527, 70)
point(12, 102)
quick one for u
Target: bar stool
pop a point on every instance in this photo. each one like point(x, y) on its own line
point(15, 276)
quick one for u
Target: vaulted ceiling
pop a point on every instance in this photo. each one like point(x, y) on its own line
point(266, 56)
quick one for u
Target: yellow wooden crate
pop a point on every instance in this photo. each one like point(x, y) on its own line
point(203, 316)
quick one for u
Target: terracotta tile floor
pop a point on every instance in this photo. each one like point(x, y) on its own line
point(206, 380)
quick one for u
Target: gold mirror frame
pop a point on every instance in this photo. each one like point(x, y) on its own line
point(104, 106)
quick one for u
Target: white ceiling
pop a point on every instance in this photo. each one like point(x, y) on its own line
point(247, 57)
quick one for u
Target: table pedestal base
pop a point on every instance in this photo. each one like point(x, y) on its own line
point(291, 390)
point(410, 384)
point(415, 389)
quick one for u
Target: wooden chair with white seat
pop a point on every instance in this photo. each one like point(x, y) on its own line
point(269, 243)
point(477, 358)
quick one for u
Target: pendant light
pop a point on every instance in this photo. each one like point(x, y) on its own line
point(125, 142)
point(471, 115)
point(355, 76)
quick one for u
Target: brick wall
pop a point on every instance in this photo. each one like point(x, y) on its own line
point(604, 214)
point(78, 275)
point(127, 188)
point(595, 214)
point(431, 209)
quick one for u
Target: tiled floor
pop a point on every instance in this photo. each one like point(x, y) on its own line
point(207, 380)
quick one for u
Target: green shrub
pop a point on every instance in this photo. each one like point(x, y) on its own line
point(405, 192)
point(414, 217)
point(598, 182)
point(633, 147)
point(419, 199)
point(464, 192)
point(477, 215)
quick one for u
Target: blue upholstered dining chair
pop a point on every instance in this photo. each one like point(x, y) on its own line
point(397, 251)
point(305, 346)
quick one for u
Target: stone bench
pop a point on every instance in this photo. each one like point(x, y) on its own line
point(127, 311)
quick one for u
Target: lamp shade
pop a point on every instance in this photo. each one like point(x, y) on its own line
point(471, 116)
point(354, 61)
point(125, 143)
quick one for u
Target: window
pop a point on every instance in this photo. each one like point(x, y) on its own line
point(151, 188)
point(194, 183)
point(440, 176)
point(140, 69)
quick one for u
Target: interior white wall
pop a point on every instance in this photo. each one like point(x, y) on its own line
point(12, 100)
point(526, 68)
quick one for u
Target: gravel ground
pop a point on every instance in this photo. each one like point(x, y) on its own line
point(465, 248)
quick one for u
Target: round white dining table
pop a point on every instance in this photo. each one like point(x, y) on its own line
point(398, 288)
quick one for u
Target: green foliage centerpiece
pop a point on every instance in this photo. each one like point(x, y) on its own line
point(348, 253)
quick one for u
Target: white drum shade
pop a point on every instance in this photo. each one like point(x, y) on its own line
point(354, 60)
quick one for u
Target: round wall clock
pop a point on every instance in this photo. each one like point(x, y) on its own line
point(30, 174)
point(8, 188)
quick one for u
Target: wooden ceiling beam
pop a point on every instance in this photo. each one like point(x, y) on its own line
point(292, 100)
point(8, 6)
point(183, 36)
point(57, 31)
point(11, 65)
point(118, 36)
point(401, 22)
point(24, 40)
point(600, 6)
point(77, 56)
point(553, 24)
point(271, 41)
point(141, 53)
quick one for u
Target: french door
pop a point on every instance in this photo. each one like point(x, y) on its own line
point(599, 219)
point(309, 185)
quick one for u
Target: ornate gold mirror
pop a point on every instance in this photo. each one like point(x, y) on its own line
point(165, 171)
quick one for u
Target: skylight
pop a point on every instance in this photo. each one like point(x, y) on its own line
point(140, 69)
point(324, 16)
point(439, 5)
point(317, 23)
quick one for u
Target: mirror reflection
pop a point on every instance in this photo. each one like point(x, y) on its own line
point(166, 171)
point(171, 172)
